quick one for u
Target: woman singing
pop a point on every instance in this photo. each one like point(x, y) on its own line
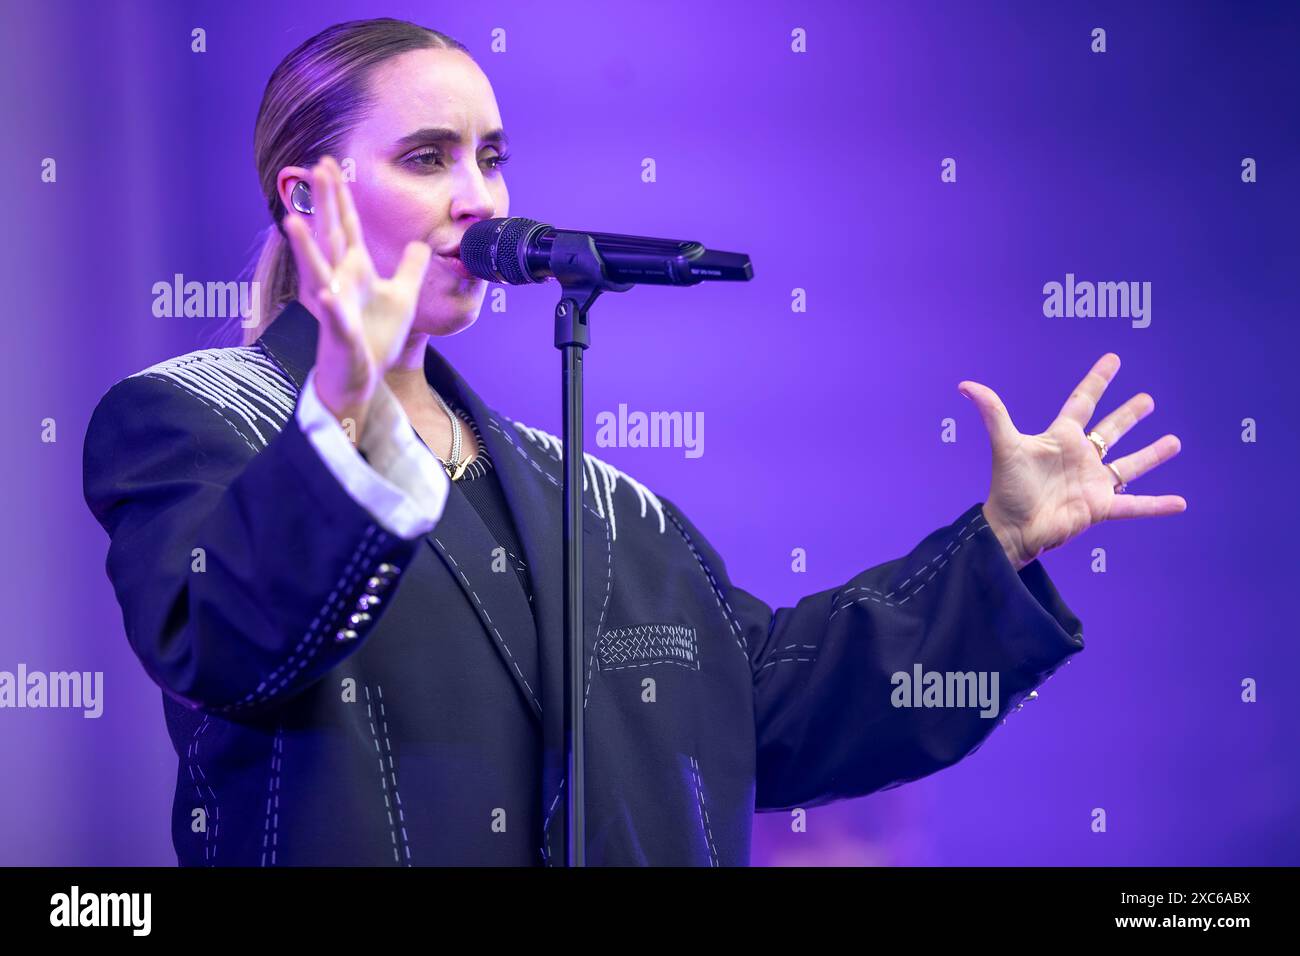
point(343, 567)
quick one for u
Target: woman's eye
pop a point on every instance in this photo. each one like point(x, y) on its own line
point(421, 158)
point(432, 158)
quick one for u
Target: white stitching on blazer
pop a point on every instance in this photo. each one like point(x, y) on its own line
point(242, 379)
point(549, 442)
point(496, 426)
point(736, 631)
point(271, 825)
point(495, 633)
point(247, 381)
point(211, 827)
point(704, 813)
point(942, 557)
point(312, 640)
point(390, 774)
point(609, 586)
point(597, 469)
point(645, 644)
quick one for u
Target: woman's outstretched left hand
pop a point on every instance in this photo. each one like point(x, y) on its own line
point(1051, 487)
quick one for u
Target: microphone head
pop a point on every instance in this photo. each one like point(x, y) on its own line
point(494, 249)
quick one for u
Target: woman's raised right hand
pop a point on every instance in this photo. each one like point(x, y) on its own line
point(364, 318)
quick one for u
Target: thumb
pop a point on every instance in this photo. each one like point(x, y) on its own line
point(997, 420)
point(415, 262)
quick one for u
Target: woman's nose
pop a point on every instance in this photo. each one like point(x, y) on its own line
point(472, 197)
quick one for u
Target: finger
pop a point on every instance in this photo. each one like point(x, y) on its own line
point(1083, 400)
point(1146, 506)
point(994, 413)
point(342, 202)
point(348, 212)
point(336, 208)
point(415, 262)
point(313, 270)
point(1134, 466)
point(334, 317)
point(328, 210)
point(1115, 425)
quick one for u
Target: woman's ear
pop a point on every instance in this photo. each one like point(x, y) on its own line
point(286, 181)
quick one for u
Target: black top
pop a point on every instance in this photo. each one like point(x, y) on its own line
point(481, 487)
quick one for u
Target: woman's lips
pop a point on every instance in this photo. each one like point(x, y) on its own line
point(455, 265)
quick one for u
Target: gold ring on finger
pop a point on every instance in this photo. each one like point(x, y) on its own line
point(1121, 484)
point(1099, 443)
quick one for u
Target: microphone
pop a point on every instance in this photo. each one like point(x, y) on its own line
point(517, 251)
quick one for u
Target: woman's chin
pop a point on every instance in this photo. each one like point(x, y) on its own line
point(444, 324)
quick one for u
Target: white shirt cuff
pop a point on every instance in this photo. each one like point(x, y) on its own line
point(403, 486)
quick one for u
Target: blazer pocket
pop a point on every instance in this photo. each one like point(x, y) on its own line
point(646, 644)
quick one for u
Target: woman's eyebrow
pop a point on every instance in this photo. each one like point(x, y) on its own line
point(432, 134)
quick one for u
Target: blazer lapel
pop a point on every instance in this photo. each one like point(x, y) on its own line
point(532, 480)
point(465, 545)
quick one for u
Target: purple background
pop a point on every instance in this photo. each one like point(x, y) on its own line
point(822, 429)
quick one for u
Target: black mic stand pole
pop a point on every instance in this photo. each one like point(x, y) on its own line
point(580, 270)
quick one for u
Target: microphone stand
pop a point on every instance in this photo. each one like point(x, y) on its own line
point(578, 266)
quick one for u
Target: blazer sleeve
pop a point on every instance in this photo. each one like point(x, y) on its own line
point(823, 671)
point(244, 574)
point(388, 471)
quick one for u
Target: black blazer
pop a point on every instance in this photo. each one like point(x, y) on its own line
point(338, 695)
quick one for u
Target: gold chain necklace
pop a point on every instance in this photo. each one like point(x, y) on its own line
point(455, 467)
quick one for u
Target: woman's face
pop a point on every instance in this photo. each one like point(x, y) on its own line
point(426, 164)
